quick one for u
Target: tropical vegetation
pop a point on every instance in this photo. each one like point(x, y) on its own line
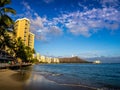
point(8, 43)
point(6, 24)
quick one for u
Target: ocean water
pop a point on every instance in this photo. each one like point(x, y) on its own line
point(102, 76)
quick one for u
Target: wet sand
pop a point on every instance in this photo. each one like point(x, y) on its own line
point(11, 80)
point(39, 82)
point(7, 82)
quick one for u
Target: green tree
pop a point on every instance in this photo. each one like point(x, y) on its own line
point(6, 42)
point(29, 53)
point(5, 20)
point(19, 49)
point(6, 23)
point(23, 52)
point(14, 46)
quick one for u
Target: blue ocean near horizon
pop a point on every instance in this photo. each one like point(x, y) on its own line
point(92, 75)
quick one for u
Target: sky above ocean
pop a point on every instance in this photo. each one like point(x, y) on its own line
point(86, 28)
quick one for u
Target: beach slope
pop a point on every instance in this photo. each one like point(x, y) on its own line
point(7, 82)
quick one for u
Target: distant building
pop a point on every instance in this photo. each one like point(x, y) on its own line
point(43, 59)
point(22, 28)
point(38, 56)
point(55, 60)
point(48, 59)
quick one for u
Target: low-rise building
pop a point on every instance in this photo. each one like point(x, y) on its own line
point(42, 59)
point(55, 60)
point(38, 57)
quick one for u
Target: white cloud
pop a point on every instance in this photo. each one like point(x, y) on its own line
point(84, 22)
point(55, 30)
point(26, 5)
point(83, 30)
point(83, 6)
point(42, 28)
point(110, 3)
point(87, 22)
point(38, 22)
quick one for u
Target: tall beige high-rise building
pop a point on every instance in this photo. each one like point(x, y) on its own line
point(31, 40)
point(22, 28)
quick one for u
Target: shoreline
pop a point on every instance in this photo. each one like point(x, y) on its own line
point(9, 81)
point(43, 83)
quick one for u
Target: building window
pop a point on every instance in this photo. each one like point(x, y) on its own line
point(25, 27)
point(25, 32)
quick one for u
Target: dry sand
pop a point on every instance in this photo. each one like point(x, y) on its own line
point(7, 82)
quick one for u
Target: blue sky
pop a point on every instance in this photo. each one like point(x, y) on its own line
point(86, 28)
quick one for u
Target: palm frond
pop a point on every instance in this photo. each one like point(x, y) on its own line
point(8, 10)
point(6, 20)
point(4, 2)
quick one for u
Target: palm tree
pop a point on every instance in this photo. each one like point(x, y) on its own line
point(5, 23)
point(23, 52)
point(19, 48)
point(29, 53)
point(5, 20)
point(15, 46)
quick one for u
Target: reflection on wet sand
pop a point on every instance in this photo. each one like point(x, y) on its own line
point(39, 82)
point(21, 76)
point(8, 83)
point(13, 79)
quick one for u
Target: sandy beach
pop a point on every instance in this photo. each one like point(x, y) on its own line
point(7, 82)
point(11, 80)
